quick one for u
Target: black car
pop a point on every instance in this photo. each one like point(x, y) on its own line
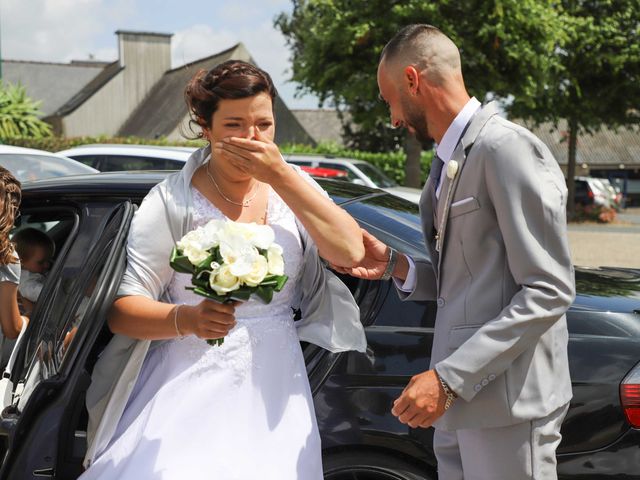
point(43, 431)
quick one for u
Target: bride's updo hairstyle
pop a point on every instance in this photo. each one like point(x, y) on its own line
point(232, 79)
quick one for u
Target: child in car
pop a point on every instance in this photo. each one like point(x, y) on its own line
point(35, 249)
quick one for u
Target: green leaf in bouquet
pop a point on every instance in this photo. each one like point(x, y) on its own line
point(242, 294)
point(282, 280)
point(205, 264)
point(276, 282)
point(200, 281)
point(180, 263)
point(269, 280)
point(203, 292)
point(265, 293)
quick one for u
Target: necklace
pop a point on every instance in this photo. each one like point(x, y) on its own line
point(245, 203)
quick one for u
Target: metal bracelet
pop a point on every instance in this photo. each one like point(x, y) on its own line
point(175, 321)
point(391, 264)
point(451, 395)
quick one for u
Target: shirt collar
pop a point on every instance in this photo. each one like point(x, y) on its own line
point(452, 136)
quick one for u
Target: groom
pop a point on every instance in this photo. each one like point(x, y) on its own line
point(493, 218)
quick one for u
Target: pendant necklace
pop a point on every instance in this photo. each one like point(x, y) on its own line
point(245, 203)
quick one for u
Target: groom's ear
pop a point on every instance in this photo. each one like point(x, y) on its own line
point(411, 79)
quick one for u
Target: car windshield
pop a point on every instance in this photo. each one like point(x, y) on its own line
point(27, 167)
point(376, 176)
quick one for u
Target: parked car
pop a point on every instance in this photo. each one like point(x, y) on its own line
point(591, 191)
point(358, 172)
point(115, 158)
point(615, 195)
point(43, 430)
point(28, 164)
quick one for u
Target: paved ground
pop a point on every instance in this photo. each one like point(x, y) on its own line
point(616, 244)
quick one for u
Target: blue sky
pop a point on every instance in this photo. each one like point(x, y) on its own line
point(62, 30)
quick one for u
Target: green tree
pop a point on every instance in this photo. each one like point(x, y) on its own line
point(19, 114)
point(599, 82)
point(508, 49)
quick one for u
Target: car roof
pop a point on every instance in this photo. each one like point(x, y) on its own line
point(157, 151)
point(10, 149)
point(132, 183)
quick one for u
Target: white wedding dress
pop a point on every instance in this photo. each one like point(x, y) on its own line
point(239, 411)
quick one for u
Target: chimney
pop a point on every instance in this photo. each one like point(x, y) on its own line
point(145, 56)
point(153, 49)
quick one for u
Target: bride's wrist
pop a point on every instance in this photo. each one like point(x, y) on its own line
point(180, 321)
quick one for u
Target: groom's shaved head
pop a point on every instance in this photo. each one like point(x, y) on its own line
point(425, 47)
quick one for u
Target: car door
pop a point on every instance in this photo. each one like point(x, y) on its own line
point(69, 316)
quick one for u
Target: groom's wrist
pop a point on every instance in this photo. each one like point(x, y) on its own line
point(401, 268)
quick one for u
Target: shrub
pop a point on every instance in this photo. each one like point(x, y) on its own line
point(19, 114)
point(594, 213)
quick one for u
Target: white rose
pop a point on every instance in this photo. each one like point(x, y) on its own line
point(224, 281)
point(275, 260)
point(194, 245)
point(195, 255)
point(259, 270)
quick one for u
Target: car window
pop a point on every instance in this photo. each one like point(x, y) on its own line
point(27, 167)
point(117, 163)
point(581, 187)
point(90, 160)
point(67, 302)
point(351, 175)
point(376, 175)
point(173, 165)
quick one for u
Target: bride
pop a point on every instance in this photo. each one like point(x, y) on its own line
point(163, 404)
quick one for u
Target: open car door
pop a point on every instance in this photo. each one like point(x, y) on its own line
point(39, 433)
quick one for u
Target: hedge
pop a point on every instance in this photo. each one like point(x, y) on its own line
point(391, 163)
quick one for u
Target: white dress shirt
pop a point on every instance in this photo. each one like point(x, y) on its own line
point(452, 136)
point(445, 151)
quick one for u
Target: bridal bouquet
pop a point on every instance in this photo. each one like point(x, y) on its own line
point(231, 261)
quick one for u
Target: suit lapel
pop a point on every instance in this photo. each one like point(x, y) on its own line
point(449, 186)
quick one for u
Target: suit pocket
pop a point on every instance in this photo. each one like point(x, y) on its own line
point(466, 205)
point(459, 335)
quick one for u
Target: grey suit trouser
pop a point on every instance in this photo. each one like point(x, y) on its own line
point(515, 452)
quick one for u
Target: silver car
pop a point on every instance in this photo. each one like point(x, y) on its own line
point(359, 172)
point(28, 164)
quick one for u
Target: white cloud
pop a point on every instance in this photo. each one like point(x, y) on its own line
point(265, 44)
point(58, 30)
point(197, 42)
point(64, 30)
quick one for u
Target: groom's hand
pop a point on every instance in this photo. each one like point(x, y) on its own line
point(422, 401)
point(372, 266)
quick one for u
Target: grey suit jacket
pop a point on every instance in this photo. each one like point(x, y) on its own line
point(503, 277)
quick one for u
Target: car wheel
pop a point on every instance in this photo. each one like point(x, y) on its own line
point(370, 466)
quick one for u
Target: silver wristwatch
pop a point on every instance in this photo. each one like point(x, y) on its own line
point(391, 264)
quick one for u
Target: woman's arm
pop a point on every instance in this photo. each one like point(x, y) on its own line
point(10, 318)
point(146, 319)
point(335, 232)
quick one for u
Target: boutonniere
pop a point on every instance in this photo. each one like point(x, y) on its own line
point(452, 169)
